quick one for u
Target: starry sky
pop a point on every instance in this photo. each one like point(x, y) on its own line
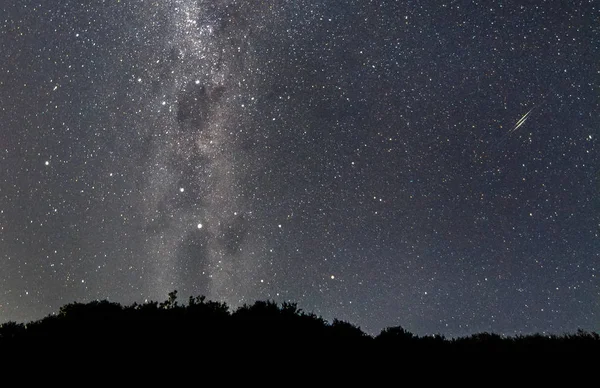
point(429, 164)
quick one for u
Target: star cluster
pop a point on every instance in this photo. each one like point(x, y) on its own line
point(426, 164)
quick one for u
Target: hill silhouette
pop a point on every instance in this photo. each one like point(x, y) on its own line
point(205, 325)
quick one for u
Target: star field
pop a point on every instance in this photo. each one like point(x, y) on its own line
point(426, 164)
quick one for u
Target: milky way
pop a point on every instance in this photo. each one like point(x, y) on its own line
point(197, 216)
point(426, 164)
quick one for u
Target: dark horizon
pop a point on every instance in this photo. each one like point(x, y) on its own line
point(210, 323)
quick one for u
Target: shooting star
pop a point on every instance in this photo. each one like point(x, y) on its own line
point(521, 121)
point(517, 125)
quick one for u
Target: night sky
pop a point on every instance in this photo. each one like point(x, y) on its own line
point(428, 164)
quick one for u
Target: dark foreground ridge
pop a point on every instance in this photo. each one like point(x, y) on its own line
point(205, 325)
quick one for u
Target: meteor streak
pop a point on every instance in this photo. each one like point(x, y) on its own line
point(517, 125)
point(521, 121)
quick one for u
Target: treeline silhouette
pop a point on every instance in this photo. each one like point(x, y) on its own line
point(204, 325)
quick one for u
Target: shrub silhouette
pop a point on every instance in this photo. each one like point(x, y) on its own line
point(396, 335)
point(206, 325)
point(11, 330)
